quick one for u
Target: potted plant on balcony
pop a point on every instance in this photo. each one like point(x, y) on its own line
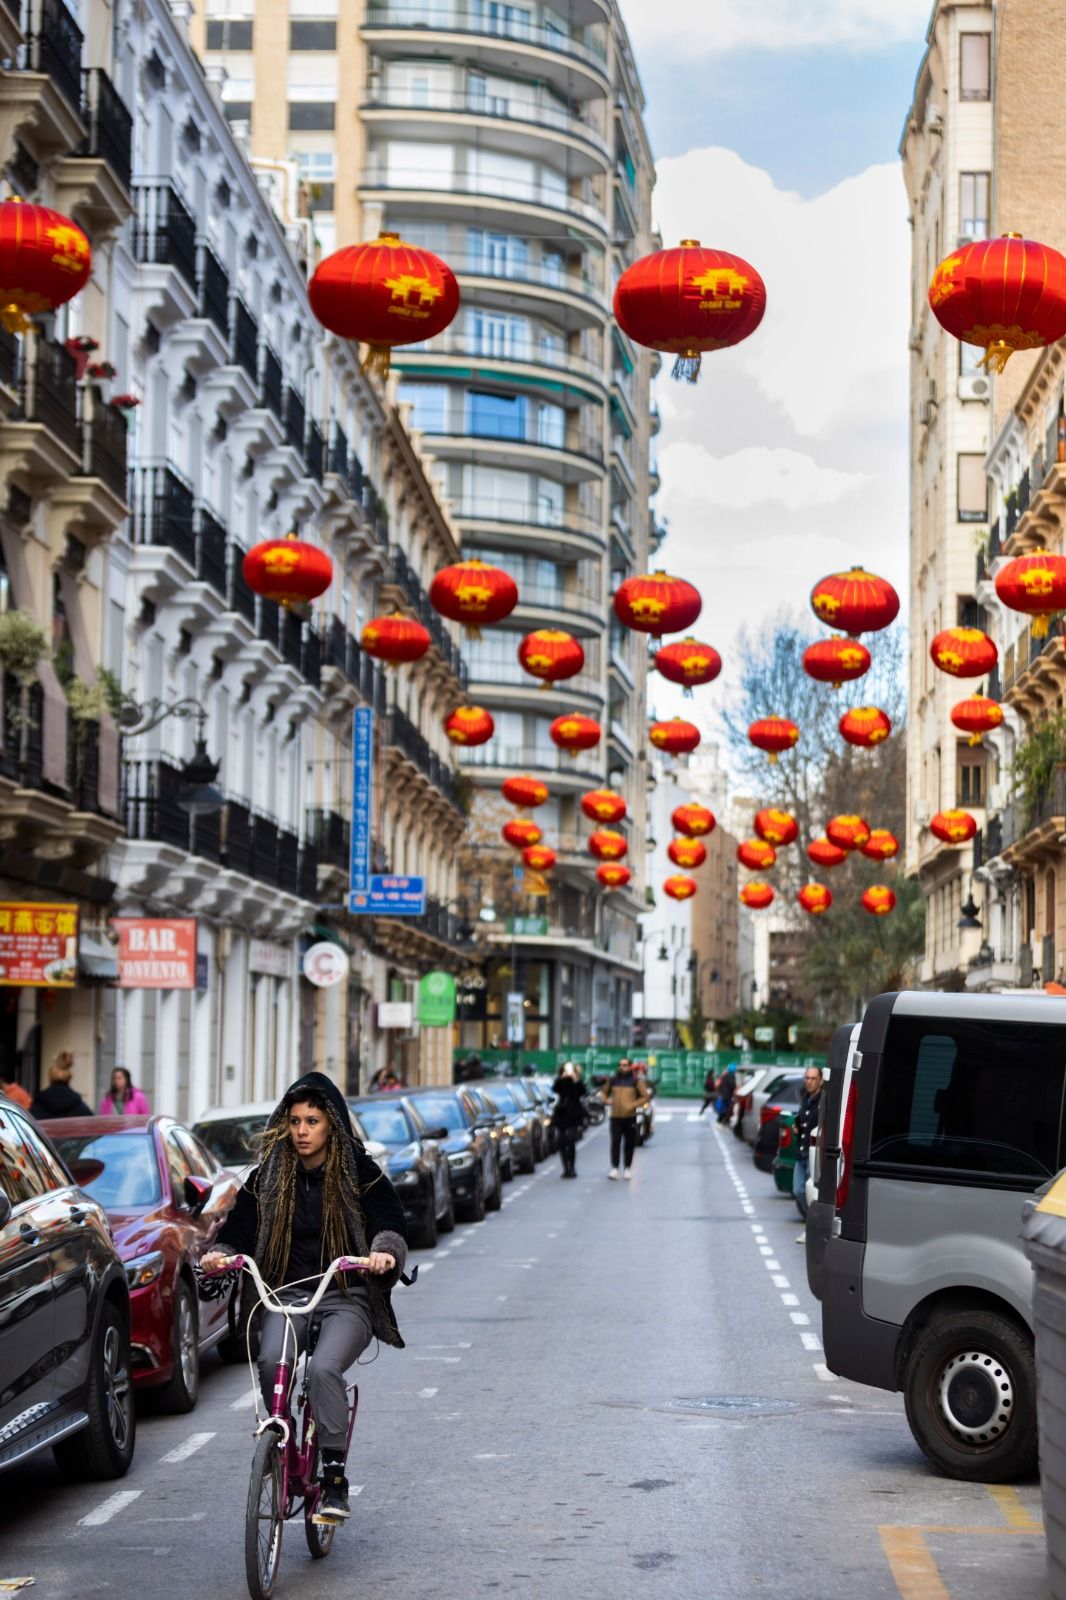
point(127, 404)
point(23, 646)
point(88, 702)
point(1035, 761)
point(81, 347)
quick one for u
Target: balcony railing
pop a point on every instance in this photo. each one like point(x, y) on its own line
point(502, 22)
point(311, 657)
point(307, 877)
point(295, 421)
point(104, 441)
point(9, 359)
point(214, 290)
point(401, 733)
point(503, 263)
point(995, 549)
point(287, 862)
point(152, 811)
point(488, 508)
point(244, 349)
point(271, 387)
point(541, 111)
point(575, 441)
point(535, 758)
point(239, 597)
point(522, 191)
point(290, 630)
point(547, 598)
point(237, 837)
point(54, 46)
point(340, 650)
point(164, 233)
point(531, 352)
point(264, 847)
point(330, 833)
point(47, 390)
point(110, 124)
point(1051, 801)
point(211, 551)
point(163, 510)
point(315, 452)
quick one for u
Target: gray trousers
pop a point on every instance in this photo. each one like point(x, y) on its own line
point(344, 1333)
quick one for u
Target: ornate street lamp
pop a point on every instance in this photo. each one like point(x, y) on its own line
point(199, 795)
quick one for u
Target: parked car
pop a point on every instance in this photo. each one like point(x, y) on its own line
point(943, 1114)
point(166, 1198)
point(763, 1091)
point(487, 1114)
point(784, 1095)
point(743, 1098)
point(784, 1162)
point(233, 1135)
point(64, 1314)
point(542, 1105)
point(417, 1163)
point(473, 1159)
point(521, 1119)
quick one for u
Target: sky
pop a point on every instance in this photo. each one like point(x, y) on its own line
point(775, 126)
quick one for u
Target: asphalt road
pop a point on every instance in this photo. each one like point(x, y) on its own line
point(609, 1390)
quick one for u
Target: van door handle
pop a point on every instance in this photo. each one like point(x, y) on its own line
point(77, 1214)
point(29, 1233)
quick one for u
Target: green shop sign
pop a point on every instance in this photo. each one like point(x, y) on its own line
point(436, 1000)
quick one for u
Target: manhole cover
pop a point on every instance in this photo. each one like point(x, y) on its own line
point(733, 1402)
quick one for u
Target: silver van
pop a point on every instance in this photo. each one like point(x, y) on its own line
point(943, 1113)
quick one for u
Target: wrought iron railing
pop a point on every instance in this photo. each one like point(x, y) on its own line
point(244, 347)
point(239, 597)
point(295, 420)
point(271, 387)
point(164, 233)
point(54, 46)
point(163, 510)
point(110, 124)
point(47, 390)
point(214, 290)
point(104, 442)
point(330, 834)
point(211, 550)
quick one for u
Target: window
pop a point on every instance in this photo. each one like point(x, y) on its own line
point(312, 35)
point(317, 169)
point(970, 358)
point(237, 110)
point(180, 1168)
point(497, 416)
point(974, 190)
point(943, 1104)
point(228, 33)
point(429, 402)
point(53, 1172)
point(970, 777)
point(975, 66)
point(20, 1177)
point(310, 115)
point(130, 1175)
point(972, 489)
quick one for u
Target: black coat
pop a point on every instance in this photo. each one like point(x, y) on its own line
point(810, 1109)
point(58, 1100)
point(569, 1109)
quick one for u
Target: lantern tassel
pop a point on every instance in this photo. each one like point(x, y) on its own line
point(996, 356)
point(377, 361)
point(686, 368)
point(15, 320)
point(1041, 626)
point(773, 757)
point(975, 738)
point(472, 630)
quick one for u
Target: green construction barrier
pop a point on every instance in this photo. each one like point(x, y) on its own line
point(678, 1073)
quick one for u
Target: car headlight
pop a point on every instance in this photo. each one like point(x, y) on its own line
point(143, 1270)
point(461, 1161)
point(406, 1179)
point(509, 1131)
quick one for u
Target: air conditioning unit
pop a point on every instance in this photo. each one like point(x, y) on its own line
point(930, 391)
point(975, 388)
point(927, 413)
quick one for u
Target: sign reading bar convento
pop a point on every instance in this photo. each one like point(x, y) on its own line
point(156, 952)
point(373, 894)
point(38, 944)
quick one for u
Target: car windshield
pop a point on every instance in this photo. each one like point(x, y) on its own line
point(235, 1143)
point(131, 1172)
point(441, 1111)
point(505, 1098)
point(387, 1124)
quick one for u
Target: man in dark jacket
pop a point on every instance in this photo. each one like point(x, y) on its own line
point(624, 1093)
point(567, 1114)
point(59, 1099)
point(810, 1109)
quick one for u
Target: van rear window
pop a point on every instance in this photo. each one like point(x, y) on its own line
point(982, 1097)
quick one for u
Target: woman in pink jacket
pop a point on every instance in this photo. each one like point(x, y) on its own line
point(122, 1099)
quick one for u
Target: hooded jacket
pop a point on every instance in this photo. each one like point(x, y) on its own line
point(374, 1214)
point(58, 1100)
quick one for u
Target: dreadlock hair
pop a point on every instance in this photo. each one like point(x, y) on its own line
point(343, 1224)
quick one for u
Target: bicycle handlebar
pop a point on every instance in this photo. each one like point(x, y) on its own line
point(270, 1298)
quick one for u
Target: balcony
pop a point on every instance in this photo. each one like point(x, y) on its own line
point(557, 530)
point(93, 182)
point(580, 609)
point(402, 735)
point(164, 243)
point(239, 598)
point(330, 835)
point(1038, 825)
point(40, 441)
point(340, 652)
point(211, 551)
point(153, 813)
point(92, 502)
point(488, 33)
point(307, 873)
point(311, 657)
point(214, 291)
point(163, 513)
point(271, 384)
point(244, 340)
point(503, 279)
point(562, 126)
point(315, 452)
point(59, 781)
point(237, 837)
point(295, 420)
point(569, 773)
point(504, 358)
point(508, 441)
point(41, 105)
point(506, 680)
point(487, 198)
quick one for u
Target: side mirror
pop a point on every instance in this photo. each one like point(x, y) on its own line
point(435, 1133)
point(197, 1192)
point(86, 1171)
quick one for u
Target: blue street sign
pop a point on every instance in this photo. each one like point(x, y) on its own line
point(388, 896)
point(362, 793)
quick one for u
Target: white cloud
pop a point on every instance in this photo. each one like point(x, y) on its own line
point(749, 477)
point(713, 27)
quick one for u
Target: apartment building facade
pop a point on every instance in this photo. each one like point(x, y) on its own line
point(511, 141)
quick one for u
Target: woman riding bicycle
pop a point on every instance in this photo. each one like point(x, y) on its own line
point(314, 1196)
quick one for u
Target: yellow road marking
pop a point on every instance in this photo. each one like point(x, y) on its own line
point(913, 1568)
point(1009, 1502)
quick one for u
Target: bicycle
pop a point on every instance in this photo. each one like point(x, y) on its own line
point(285, 1466)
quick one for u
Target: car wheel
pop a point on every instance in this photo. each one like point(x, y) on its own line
point(507, 1171)
point(970, 1392)
point(494, 1201)
point(475, 1211)
point(446, 1223)
point(181, 1389)
point(427, 1233)
point(104, 1448)
point(527, 1163)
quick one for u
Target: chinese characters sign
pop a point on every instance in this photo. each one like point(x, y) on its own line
point(362, 773)
point(38, 944)
point(156, 952)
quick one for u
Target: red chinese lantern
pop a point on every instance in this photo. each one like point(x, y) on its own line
point(815, 898)
point(655, 603)
point(865, 726)
point(848, 831)
point(778, 828)
point(524, 791)
point(855, 601)
point(824, 853)
point(757, 896)
point(688, 662)
point(521, 832)
point(756, 855)
point(977, 716)
point(1036, 584)
point(675, 737)
point(45, 259)
point(688, 301)
point(687, 853)
point(394, 638)
point(953, 827)
point(383, 293)
point(879, 900)
point(964, 652)
point(287, 571)
point(695, 821)
point(835, 661)
point(679, 887)
point(608, 845)
point(773, 734)
point(538, 858)
point(574, 731)
point(882, 845)
point(473, 592)
point(1002, 294)
point(603, 805)
point(613, 875)
point(551, 655)
point(469, 725)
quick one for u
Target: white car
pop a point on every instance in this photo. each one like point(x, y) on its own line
point(233, 1135)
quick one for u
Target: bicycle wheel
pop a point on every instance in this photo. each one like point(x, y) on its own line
point(264, 1518)
point(319, 1535)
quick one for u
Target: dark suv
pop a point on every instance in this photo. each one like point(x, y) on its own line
point(64, 1314)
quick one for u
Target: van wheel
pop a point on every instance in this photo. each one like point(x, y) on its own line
point(970, 1392)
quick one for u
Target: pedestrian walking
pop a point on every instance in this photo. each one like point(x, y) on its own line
point(16, 1093)
point(122, 1099)
point(810, 1109)
point(726, 1088)
point(624, 1093)
point(568, 1114)
point(59, 1099)
point(709, 1085)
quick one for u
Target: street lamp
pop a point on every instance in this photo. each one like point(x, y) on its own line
point(198, 796)
point(674, 984)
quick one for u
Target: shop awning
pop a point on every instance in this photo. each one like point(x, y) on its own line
point(96, 959)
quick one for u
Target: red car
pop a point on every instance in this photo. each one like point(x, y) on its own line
point(166, 1198)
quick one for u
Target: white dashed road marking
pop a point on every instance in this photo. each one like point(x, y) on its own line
point(187, 1448)
point(109, 1508)
point(243, 1401)
point(426, 1394)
